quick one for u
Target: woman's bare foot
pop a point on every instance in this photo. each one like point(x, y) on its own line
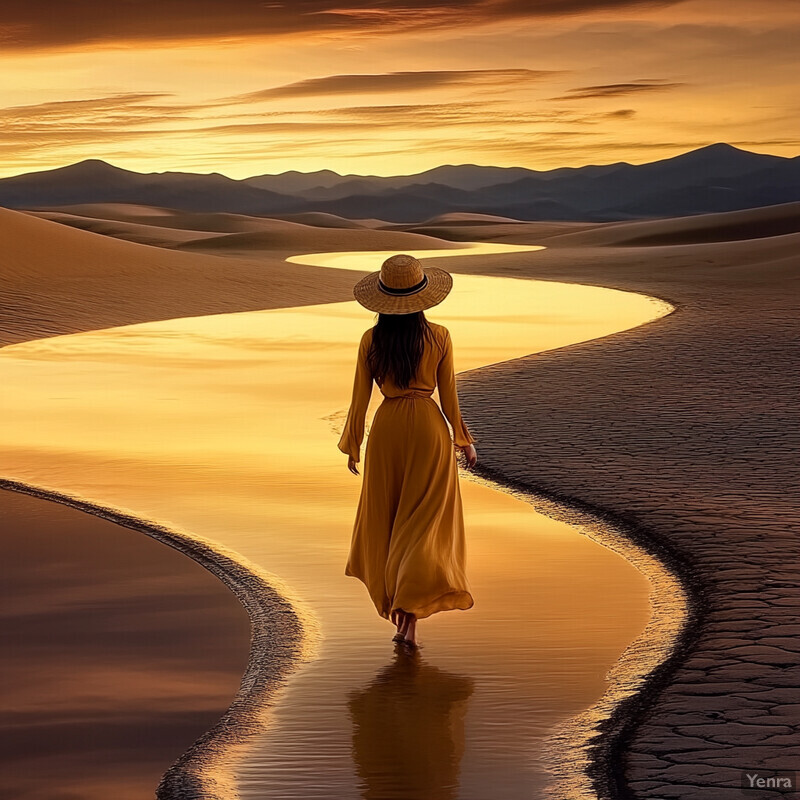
point(405, 620)
point(410, 631)
point(398, 618)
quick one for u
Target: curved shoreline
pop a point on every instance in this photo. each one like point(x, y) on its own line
point(595, 738)
point(202, 771)
point(685, 431)
point(739, 316)
point(592, 744)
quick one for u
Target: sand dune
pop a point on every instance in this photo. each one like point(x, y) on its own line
point(141, 233)
point(39, 249)
point(220, 222)
point(751, 223)
point(371, 222)
point(737, 233)
point(321, 219)
point(213, 222)
point(293, 237)
point(311, 232)
point(523, 232)
point(456, 217)
point(57, 279)
point(120, 211)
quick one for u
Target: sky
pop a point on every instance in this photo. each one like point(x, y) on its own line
point(392, 87)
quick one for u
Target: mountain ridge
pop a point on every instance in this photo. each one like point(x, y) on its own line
point(715, 177)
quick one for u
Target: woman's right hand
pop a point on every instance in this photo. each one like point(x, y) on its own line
point(471, 454)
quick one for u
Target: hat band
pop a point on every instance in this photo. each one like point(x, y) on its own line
point(410, 290)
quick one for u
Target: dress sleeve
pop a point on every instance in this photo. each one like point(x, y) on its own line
point(353, 433)
point(448, 395)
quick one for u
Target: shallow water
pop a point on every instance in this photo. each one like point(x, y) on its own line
point(90, 607)
point(227, 425)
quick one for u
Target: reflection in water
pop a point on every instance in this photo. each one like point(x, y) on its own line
point(224, 426)
point(408, 730)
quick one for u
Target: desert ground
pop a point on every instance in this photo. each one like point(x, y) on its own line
point(686, 431)
point(683, 431)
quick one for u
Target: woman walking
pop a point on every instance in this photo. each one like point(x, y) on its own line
point(408, 542)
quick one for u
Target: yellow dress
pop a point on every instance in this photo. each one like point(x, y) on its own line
point(408, 542)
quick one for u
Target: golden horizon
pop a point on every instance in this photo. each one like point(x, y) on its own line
point(370, 91)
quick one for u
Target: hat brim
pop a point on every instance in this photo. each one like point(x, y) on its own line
point(368, 293)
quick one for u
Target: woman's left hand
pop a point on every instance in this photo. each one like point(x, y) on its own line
point(351, 465)
point(470, 453)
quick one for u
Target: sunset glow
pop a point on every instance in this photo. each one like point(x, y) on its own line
point(245, 88)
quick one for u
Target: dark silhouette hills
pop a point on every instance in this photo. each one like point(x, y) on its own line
point(715, 178)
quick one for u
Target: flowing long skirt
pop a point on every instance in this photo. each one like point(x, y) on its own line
point(408, 544)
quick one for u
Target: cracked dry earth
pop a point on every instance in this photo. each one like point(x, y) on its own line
point(687, 430)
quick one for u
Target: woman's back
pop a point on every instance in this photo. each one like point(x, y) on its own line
point(426, 378)
point(435, 369)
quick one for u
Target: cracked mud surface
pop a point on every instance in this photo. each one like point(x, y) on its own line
point(687, 430)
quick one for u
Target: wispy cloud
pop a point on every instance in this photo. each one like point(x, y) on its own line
point(381, 83)
point(132, 116)
point(90, 126)
point(480, 114)
point(93, 124)
point(70, 108)
point(618, 89)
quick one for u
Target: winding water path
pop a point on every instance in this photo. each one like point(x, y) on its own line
point(226, 426)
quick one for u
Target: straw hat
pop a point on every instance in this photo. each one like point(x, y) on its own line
point(403, 286)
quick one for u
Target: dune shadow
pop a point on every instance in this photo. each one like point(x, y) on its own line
point(408, 730)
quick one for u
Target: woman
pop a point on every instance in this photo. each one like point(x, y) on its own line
point(408, 544)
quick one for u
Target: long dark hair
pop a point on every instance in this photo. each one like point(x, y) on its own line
point(398, 341)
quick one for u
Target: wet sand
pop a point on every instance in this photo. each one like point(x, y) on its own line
point(159, 453)
point(118, 650)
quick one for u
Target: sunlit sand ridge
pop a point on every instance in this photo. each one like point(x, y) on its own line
point(226, 426)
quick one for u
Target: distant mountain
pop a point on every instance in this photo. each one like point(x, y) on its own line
point(465, 176)
point(715, 178)
point(294, 182)
point(346, 189)
point(95, 181)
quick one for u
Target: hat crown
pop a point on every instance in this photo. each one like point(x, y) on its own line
point(403, 286)
point(401, 272)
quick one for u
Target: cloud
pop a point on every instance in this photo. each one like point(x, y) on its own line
point(382, 83)
point(68, 108)
point(88, 126)
point(128, 107)
point(133, 115)
point(55, 23)
point(617, 89)
point(490, 113)
point(113, 117)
